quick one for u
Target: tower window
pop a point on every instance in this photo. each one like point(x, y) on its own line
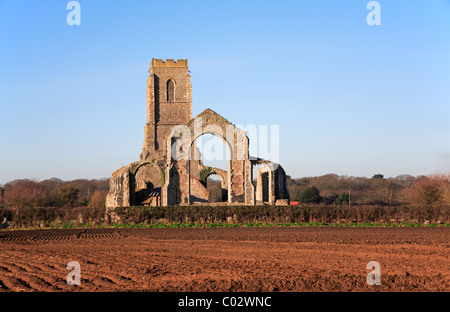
point(170, 90)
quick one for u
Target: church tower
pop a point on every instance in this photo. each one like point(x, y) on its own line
point(169, 103)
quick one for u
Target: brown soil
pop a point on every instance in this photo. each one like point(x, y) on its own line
point(226, 259)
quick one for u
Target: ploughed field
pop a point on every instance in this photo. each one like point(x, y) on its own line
point(226, 259)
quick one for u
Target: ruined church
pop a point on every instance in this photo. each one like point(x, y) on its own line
point(159, 178)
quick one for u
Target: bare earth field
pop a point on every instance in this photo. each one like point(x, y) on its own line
point(226, 259)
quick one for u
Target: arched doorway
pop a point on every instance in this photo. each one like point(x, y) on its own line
point(147, 182)
point(210, 154)
point(217, 188)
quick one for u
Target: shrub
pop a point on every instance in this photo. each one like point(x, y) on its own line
point(343, 198)
point(433, 189)
point(309, 194)
point(66, 196)
point(98, 199)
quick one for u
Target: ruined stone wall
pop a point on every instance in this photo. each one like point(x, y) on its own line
point(281, 190)
point(119, 189)
point(199, 193)
point(237, 181)
point(241, 189)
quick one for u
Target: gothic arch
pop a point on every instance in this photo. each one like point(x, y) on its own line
point(239, 185)
point(223, 182)
point(146, 182)
point(220, 173)
point(226, 179)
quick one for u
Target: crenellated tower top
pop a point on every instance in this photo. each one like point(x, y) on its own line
point(169, 63)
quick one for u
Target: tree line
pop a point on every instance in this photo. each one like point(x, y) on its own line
point(25, 193)
point(329, 189)
point(378, 190)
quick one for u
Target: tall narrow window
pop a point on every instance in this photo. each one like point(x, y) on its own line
point(170, 90)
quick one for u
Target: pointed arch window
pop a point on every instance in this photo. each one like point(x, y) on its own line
point(170, 90)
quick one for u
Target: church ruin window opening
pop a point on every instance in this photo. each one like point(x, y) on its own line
point(214, 156)
point(170, 90)
point(260, 179)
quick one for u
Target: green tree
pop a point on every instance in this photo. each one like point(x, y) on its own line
point(431, 194)
point(66, 196)
point(343, 198)
point(378, 176)
point(309, 194)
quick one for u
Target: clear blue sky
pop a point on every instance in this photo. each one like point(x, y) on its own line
point(350, 98)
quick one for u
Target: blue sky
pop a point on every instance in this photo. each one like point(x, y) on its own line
point(349, 98)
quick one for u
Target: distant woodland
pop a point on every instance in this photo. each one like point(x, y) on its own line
point(333, 189)
point(54, 193)
point(330, 189)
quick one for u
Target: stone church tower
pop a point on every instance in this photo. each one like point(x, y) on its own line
point(169, 103)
